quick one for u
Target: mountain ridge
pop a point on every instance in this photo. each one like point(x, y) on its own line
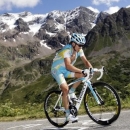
point(51, 30)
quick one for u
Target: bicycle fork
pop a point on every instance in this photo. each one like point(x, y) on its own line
point(95, 94)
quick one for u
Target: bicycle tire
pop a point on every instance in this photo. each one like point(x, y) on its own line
point(109, 111)
point(55, 117)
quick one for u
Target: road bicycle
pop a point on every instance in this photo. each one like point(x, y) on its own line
point(101, 102)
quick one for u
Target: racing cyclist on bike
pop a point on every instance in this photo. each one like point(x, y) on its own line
point(63, 67)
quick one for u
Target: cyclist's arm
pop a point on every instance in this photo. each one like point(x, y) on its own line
point(70, 67)
point(86, 62)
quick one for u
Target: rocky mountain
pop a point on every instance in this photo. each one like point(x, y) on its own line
point(25, 37)
point(50, 30)
point(112, 33)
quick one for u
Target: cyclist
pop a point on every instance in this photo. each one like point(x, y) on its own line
point(63, 67)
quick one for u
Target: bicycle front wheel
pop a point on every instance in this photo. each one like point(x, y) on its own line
point(109, 109)
point(55, 113)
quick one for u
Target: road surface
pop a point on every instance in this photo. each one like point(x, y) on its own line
point(84, 123)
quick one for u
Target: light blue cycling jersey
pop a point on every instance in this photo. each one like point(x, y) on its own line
point(58, 69)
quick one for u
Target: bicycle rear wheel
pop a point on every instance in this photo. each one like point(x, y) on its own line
point(109, 110)
point(55, 116)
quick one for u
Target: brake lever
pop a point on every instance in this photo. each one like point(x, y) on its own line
point(104, 69)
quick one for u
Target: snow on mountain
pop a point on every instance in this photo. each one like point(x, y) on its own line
point(34, 28)
point(42, 42)
point(72, 14)
point(10, 19)
point(46, 26)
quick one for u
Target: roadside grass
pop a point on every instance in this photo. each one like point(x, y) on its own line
point(10, 112)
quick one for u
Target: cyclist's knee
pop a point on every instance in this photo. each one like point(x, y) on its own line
point(64, 88)
point(65, 91)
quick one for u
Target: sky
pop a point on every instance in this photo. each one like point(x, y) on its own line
point(46, 6)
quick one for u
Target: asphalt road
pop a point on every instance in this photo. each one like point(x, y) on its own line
point(84, 123)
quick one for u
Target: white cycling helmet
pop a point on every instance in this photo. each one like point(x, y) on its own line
point(78, 39)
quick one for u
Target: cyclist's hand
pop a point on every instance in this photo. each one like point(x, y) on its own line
point(89, 71)
point(85, 72)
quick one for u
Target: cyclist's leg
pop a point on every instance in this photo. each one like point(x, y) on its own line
point(59, 77)
point(77, 75)
point(64, 88)
point(69, 117)
point(70, 74)
point(58, 74)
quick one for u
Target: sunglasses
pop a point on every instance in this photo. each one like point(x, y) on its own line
point(80, 45)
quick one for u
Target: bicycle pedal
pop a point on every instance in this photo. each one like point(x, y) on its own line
point(75, 121)
point(74, 100)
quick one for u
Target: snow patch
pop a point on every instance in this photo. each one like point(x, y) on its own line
point(34, 28)
point(44, 44)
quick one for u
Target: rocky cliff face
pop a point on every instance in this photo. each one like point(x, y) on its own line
point(21, 25)
point(111, 34)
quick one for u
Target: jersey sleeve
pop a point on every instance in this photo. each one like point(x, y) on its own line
point(67, 53)
point(81, 52)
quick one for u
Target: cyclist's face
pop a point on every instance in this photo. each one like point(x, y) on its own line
point(77, 47)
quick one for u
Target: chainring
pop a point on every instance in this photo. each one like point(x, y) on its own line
point(73, 110)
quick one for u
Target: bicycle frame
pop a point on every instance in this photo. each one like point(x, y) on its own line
point(87, 84)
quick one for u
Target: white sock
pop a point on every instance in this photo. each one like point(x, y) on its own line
point(72, 90)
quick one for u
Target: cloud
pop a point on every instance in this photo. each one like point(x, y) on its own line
point(128, 6)
point(93, 9)
point(106, 2)
point(9, 4)
point(112, 10)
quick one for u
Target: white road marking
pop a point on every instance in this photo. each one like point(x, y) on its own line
point(83, 128)
point(87, 122)
point(25, 126)
point(77, 128)
point(32, 125)
point(85, 125)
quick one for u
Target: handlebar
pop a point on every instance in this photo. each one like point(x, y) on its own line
point(88, 72)
point(101, 72)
